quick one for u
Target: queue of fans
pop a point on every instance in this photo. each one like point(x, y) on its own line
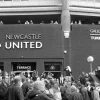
point(45, 87)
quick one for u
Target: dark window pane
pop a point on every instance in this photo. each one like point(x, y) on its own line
point(7, 0)
point(52, 66)
point(23, 66)
point(1, 66)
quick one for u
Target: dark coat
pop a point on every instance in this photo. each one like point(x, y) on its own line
point(65, 92)
point(37, 95)
point(82, 79)
point(3, 91)
point(75, 96)
point(15, 92)
point(25, 88)
point(84, 93)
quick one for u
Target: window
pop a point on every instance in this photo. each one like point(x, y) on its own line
point(53, 68)
point(23, 66)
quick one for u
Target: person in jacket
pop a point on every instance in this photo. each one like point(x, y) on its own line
point(74, 94)
point(3, 88)
point(15, 91)
point(65, 90)
point(25, 86)
point(96, 91)
point(55, 90)
point(84, 93)
point(38, 92)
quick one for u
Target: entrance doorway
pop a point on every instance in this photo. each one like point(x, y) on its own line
point(19, 67)
point(54, 68)
point(1, 66)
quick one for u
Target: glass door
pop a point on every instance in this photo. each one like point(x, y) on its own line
point(54, 68)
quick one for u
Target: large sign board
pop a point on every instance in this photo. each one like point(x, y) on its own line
point(84, 42)
point(31, 41)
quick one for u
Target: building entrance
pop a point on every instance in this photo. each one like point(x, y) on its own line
point(1, 66)
point(54, 68)
point(24, 67)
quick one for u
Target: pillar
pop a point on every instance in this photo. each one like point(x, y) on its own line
point(7, 66)
point(65, 18)
point(40, 66)
point(65, 22)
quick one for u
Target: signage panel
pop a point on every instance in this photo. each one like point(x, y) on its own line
point(84, 41)
point(23, 66)
point(31, 41)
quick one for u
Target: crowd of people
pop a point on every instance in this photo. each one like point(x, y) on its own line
point(78, 22)
point(30, 22)
point(45, 87)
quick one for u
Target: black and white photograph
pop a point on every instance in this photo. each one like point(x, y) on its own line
point(49, 49)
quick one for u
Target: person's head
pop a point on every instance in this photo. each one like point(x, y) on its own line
point(52, 21)
point(31, 21)
point(5, 78)
point(98, 68)
point(87, 75)
point(73, 88)
point(67, 84)
point(61, 75)
point(17, 80)
point(19, 21)
point(68, 67)
point(54, 84)
point(23, 78)
point(83, 73)
point(39, 86)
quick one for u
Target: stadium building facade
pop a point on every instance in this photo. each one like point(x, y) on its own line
point(46, 46)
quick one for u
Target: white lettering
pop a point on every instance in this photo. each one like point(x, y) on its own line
point(95, 38)
point(21, 45)
point(23, 36)
point(26, 43)
point(95, 30)
point(15, 45)
point(6, 45)
point(38, 44)
point(16, 37)
point(23, 67)
point(7, 36)
point(32, 45)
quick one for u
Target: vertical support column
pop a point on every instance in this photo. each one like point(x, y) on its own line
point(65, 22)
point(40, 66)
point(7, 66)
point(65, 18)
